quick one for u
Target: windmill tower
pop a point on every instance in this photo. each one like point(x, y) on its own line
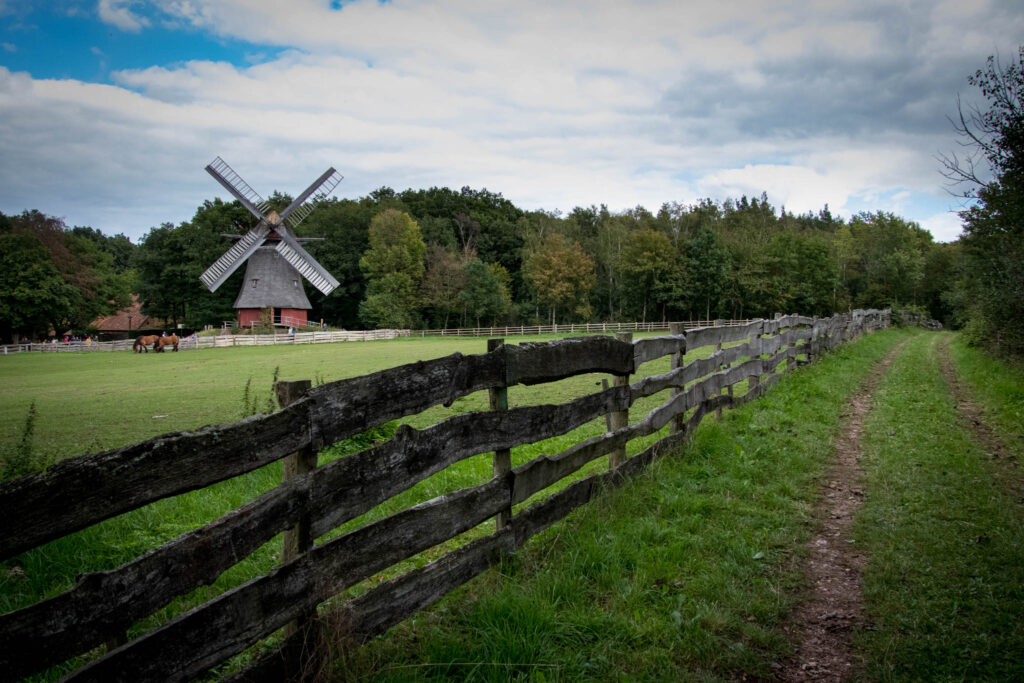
point(276, 261)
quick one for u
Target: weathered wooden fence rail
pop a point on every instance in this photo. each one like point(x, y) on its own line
point(83, 491)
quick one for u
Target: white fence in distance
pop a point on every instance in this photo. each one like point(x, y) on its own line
point(572, 328)
point(331, 336)
point(209, 342)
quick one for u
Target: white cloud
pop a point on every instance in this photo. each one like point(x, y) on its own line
point(944, 227)
point(118, 13)
point(9, 47)
point(552, 104)
point(799, 189)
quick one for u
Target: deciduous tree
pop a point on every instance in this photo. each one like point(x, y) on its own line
point(647, 264)
point(482, 293)
point(443, 280)
point(708, 271)
point(55, 278)
point(992, 174)
point(561, 275)
point(171, 258)
point(393, 264)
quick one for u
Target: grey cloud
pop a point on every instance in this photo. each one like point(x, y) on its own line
point(814, 98)
point(907, 86)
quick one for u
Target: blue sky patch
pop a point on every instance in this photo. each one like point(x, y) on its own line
point(70, 41)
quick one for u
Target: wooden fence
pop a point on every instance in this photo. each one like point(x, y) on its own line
point(311, 501)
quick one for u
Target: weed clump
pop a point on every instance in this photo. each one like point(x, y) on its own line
point(252, 400)
point(21, 460)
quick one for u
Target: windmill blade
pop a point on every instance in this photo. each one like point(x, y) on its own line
point(320, 188)
point(301, 261)
point(240, 189)
point(223, 267)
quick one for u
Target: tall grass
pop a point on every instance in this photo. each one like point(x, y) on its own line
point(19, 458)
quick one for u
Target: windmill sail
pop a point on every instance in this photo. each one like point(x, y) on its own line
point(323, 186)
point(223, 267)
point(240, 189)
point(301, 261)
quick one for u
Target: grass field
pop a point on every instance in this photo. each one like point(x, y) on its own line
point(125, 397)
point(86, 402)
point(92, 401)
point(687, 573)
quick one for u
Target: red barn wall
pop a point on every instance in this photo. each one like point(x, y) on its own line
point(293, 316)
point(248, 316)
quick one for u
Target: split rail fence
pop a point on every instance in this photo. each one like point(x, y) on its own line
point(312, 500)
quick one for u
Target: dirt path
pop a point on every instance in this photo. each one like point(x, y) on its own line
point(1005, 462)
point(822, 625)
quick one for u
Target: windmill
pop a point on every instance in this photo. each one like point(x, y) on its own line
point(276, 261)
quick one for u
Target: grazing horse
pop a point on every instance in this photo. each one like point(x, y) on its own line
point(142, 343)
point(161, 342)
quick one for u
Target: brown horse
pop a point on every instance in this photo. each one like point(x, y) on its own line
point(161, 342)
point(142, 343)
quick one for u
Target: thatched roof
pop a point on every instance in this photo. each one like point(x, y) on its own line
point(271, 281)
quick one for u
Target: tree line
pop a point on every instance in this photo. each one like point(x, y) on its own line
point(457, 258)
point(440, 257)
point(57, 279)
point(446, 258)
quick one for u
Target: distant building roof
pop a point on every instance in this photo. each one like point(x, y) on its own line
point(271, 281)
point(127, 319)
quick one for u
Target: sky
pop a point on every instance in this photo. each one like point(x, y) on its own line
point(110, 109)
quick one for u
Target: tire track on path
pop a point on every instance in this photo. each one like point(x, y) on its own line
point(822, 624)
point(1003, 460)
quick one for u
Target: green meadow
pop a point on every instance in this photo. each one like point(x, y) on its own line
point(686, 573)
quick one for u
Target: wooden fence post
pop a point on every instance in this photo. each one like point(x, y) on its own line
point(754, 379)
point(619, 418)
point(297, 540)
point(718, 411)
point(678, 421)
point(503, 458)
